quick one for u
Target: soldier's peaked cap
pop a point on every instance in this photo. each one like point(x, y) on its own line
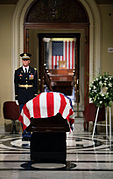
point(25, 56)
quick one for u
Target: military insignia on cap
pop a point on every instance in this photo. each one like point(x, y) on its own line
point(25, 55)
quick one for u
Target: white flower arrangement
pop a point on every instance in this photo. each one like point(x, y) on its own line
point(101, 90)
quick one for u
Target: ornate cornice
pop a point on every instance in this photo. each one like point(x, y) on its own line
point(56, 11)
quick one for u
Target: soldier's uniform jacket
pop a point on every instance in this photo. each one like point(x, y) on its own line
point(25, 84)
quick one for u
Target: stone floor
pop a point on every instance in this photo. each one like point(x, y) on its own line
point(86, 158)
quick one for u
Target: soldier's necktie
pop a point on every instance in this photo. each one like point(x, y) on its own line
point(25, 70)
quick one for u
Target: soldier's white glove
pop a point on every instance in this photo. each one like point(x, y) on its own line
point(17, 102)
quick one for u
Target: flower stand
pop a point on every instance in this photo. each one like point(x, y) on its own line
point(107, 124)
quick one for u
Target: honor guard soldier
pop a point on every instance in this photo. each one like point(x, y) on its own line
point(25, 81)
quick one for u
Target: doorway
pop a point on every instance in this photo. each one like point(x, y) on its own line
point(59, 55)
point(55, 24)
point(37, 45)
point(87, 18)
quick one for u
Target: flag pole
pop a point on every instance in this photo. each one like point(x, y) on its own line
point(77, 93)
point(77, 97)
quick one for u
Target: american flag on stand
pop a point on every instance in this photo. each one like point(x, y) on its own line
point(46, 104)
point(63, 51)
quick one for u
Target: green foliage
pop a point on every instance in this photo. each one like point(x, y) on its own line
point(101, 90)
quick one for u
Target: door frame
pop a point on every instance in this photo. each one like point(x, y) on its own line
point(58, 26)
point(60, 35)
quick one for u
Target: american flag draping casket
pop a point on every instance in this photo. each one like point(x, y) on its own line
point(44, 105)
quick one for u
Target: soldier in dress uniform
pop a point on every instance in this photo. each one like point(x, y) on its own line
point(25, 80)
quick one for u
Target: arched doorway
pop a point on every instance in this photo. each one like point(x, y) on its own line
point(94, 35)
point(65, 20)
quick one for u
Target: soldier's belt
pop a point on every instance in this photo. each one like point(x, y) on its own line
point(25, 86)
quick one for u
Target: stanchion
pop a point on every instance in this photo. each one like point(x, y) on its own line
point(108, 124)
point(95, 123)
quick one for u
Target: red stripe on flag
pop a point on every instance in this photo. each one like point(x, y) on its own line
point(36, 107)
point(21, 120)
point(68, 116)
point(63, 104)
point(72, 54)
point(26, 111)
point(69, 53)
point(58, 61)
point(50, 104)
point(55, 61)
point(65, 50)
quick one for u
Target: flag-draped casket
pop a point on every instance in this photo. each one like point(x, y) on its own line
point(45, 105)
